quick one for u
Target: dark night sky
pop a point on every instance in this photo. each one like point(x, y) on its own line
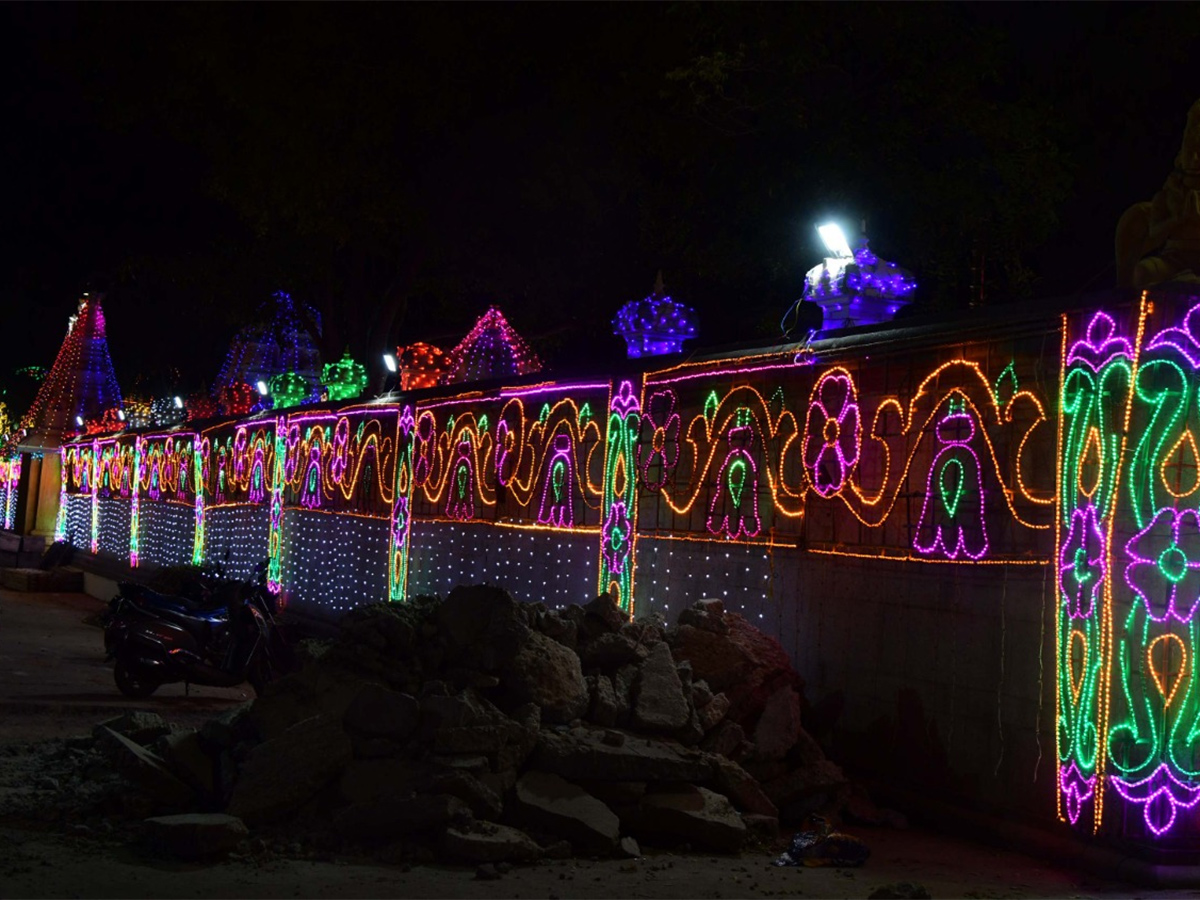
point(515, 133)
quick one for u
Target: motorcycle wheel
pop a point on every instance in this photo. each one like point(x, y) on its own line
point(130, 683)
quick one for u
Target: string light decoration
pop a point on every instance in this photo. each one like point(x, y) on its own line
point(166, 412)
point(656, 325)
point(421, 365)
point(858, 289)
point(401, 520)
point(746, 467)
point(10, 483)
point(344, 379)
point(289, 389)
point(201, 406)
point(281, 341)
point(80, 384)
point(138, 412)
point(491, 349)
point(620, 495)
point(237, 398)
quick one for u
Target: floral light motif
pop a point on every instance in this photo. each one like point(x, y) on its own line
point(1081, 563)
point(734, 508)
point(460, 504)
point(664, 440)
point(1076, 790)
point(556, 508)
point(1165, 572)
point(616, 537)
point(1161, 795)
point(832, 433)
point(951, 520)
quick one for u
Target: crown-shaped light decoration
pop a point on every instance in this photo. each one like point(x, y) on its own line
point(857, 287)
point(492, 349)
point(289, 389)
point(421, 365)
point(344, 379)
point(655, 325)
point(280, 342)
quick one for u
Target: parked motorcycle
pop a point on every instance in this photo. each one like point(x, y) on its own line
point(155, 642)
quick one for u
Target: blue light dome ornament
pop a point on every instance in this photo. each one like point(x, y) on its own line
point(856, 287)
point(655, 325)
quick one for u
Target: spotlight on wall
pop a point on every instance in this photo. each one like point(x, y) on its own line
point(121, 414)
point(178, 402)
point(835, 240)
point(390, 361)
point(262, 387)
point(79, 420)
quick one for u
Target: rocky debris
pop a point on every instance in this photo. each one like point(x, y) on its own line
point(280, 775)
point(659, 702)
point(556, 806)
point(691, 814)
point(139, 726)
point(485, 731)
point(488, 842)
point(149, 772)
point(195, 836)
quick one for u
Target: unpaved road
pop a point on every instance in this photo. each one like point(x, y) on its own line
point(54, 684)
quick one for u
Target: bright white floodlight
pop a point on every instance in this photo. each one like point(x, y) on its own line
point(835, 241)
point(178, 402)
point(121, 414)
point(79, 420)
point(262, 387)
point(390, 362)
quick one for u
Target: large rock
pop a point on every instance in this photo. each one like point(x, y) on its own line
point(325, 689)
point(484, 802)
point(608, 652)
point(369, 780)
point(546, 673)
point(469, 724)
point(587, 756)
point(377, 711)
point(481, 625)
point(279, 775)
point(487, 842)
point(817, 783)
point(746, 794)
point(746, 664)
point(139, 726)
point(195, 835)
point(778, 725)
point(420, 815)
point(697, 815)
point(659, 703)
point(184, 753)
point(556, 806)
point(602, 615)
point(605, 708)
point(147, 771)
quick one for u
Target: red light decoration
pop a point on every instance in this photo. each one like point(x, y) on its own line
point(492, 349)
point(237, 399)
point(421, 365)
point(81, 381)
point(201, 406)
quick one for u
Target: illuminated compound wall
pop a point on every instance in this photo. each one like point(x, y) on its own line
point(901, 511)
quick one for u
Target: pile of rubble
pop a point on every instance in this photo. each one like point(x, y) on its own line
point(482, 730)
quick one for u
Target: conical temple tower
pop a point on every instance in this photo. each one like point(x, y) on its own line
point(80, 383)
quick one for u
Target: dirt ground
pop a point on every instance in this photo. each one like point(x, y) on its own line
point(54, 684)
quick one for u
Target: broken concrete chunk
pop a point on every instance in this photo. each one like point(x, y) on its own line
point(548, 674)
point(195, 836)
point(556, 806)
point(377, 711)
point(139, 726)
point(279, 775)
point(420, 815)
point(693, 814)
point(487, 842)
point(658, 700)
